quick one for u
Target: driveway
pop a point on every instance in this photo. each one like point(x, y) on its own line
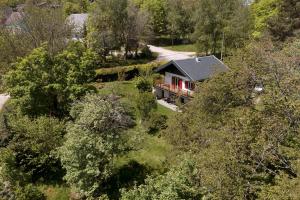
point(168, 55)
point(3, 99)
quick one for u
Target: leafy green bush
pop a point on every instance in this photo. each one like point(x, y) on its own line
point(144, 85)
point(146, 103)
point(33, 143)
point(156, 122)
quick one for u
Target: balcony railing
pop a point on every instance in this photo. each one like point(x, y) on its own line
point(173, 89)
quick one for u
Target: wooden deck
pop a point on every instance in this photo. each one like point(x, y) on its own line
point(174, 90)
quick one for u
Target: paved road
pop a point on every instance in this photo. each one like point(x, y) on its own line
point(3, 99)
point(167, 55)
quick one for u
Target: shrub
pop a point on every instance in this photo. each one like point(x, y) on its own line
point(178, 183)
point(144, 85)
point(146, 52)
point(33, 142)
point(156, 122)
point(146, 103)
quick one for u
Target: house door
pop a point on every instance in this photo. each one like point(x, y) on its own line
point(176, 83)
point(180, 84)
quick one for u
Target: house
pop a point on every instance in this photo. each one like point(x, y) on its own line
point(180, 76)
point(78, 23)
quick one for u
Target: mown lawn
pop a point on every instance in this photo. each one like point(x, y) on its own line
point(183, 47)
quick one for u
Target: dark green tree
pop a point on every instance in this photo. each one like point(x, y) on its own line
point(287, 22)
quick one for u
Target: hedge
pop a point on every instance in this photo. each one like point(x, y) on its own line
point(124, 73)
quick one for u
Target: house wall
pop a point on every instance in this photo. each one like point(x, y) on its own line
point(168, 79)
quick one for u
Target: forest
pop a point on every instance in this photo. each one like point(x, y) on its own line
point(82, 122)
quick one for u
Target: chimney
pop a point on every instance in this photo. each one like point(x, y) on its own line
point(198, 59)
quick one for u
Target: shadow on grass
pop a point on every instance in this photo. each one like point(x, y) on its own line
point(126, 177)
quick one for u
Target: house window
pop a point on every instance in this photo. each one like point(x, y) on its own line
point(189, 85)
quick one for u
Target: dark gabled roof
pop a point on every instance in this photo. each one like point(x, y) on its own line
point(197, 69)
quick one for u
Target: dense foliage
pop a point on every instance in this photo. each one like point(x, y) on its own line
point(247, 140)
point(238, 137)
point(42, 84)
point(92, 141)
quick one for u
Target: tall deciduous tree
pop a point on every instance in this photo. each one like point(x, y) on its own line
point(263, 11)
point(116, 24)
point(92, 141)
point(221, 25)
point(180, 19)
point(41, 84)
point(287, 22)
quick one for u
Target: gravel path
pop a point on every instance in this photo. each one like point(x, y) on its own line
point(3, 99)
point(167, 55)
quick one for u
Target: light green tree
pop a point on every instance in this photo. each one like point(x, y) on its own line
point(92, 141)
point(263, 11)
point(42, 84)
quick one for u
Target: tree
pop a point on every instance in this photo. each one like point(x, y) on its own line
point(178, 183)
point(34, 142)
point(37, 26)
point(180, 20)
point(158, 14)
point(221, 25)
point(116, 24)
point(245, 140)
point(263, 11)
point(92, 141)
point(40, 84)
point(287, 22)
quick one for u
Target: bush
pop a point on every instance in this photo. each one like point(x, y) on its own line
point(144, 85)
point(146, 52)
point(156, 122)
point(146, 103)
point(33, 142)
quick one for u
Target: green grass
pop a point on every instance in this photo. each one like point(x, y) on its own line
point(151, 151)
point(128, 90)
point(55, 192)
point(183, 47)
point(165, 111)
